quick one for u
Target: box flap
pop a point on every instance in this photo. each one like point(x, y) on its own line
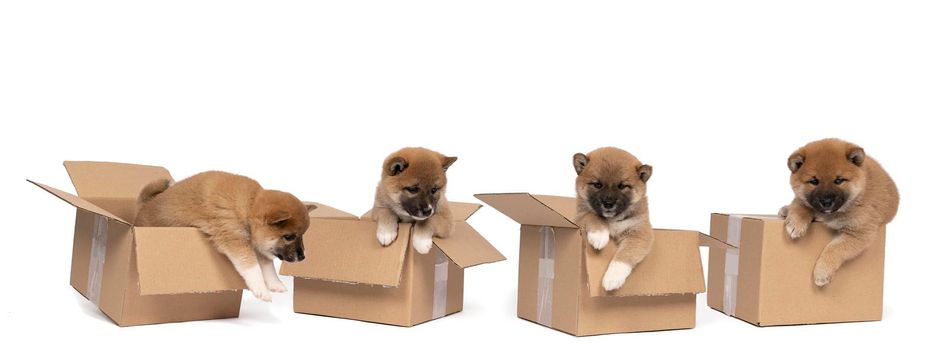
point(708, 241)
point(348, 251)
point(112, 180)
point(466, 248)
point(326, 212)
point(672, 267)
point(178, 260)
point(463, 211)
point(79, 202)
point(527, 209)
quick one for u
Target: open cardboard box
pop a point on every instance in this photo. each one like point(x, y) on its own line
point(141, 275)
point(560, 274)
point(350, 275)
point(765, 278)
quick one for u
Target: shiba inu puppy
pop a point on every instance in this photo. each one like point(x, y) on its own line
point(835, 182)
point(413, 189)
point(248, 224)
point(612, 203)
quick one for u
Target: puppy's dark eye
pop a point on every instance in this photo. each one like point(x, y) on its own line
point(289, 238)
point(814, 181)
point(623, 186)
point(412, 189)
point(597, 185)
point(839, 180)
point(434, 190)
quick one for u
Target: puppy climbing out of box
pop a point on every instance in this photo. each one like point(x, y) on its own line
point(413, 189)
point(612, 203)
point(248, 224)
point(835, 182)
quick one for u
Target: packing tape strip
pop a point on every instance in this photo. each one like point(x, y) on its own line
point(731, 264)
point(97, 258)
point(440, 285)
point(543, 309)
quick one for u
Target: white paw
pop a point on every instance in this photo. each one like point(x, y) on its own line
point(615, 276)
point(794, 228)
point(783, 212)
point(386, 234)
point(262, 294)
point(276, 286)
point(422, 243)
point(822, 277)
point(598, 239)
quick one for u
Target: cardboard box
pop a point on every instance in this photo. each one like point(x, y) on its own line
point(141, 275)
point(765, 278)
point(560, 274)
point(350, 275)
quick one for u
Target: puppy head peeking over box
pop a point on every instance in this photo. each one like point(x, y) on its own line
point(413, 189)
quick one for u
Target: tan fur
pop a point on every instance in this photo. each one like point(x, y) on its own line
point(871, 203)
point(630, 228)
point(248, 224)
point(404, 169)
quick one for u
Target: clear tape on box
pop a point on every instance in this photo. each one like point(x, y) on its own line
point(546, 275)
point(440, 285)
point(731, 264)
point(97, 258)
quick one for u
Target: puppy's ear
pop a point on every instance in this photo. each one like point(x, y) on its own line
point(580, 161)
point(447, 162)
point(311, 207)
point(278, 217)
point(644, 172)
point(395, 166)
point(856, 155)
point(795, 161)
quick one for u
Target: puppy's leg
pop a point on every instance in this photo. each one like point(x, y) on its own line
point(238, 249)
point(597, 229)
point(846, 246)
point(423, 236)
point(269, 274)
point(797, 219)
point(632, 249)
point(387, 225)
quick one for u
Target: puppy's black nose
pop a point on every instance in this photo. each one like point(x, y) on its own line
point(826, 202)
point(608, 204)
point(427, 211)
point(300, 256)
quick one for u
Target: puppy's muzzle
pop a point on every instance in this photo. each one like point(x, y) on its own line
point(292, 257)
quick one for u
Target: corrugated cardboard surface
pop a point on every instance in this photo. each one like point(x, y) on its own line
point(636, 314)
point(112, 180)
point(348, 251)
point(565, 285)
point(673, 266)
point(175, 260)
point(350, 275)
point(467, 248)
point(775, 284)
point(527, 209)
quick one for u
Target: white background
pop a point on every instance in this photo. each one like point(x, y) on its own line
point(309, 98)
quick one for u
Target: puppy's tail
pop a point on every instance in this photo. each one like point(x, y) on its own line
point(153, 189)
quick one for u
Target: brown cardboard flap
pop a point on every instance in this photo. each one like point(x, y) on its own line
point(178, 260)
point(463, 211)
point(467, 248)
point(326, 212)
point(348, 251)
point(112, 180)
point(708, 241)
point(527, 209)
point(672, 267)
point(78, 202)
